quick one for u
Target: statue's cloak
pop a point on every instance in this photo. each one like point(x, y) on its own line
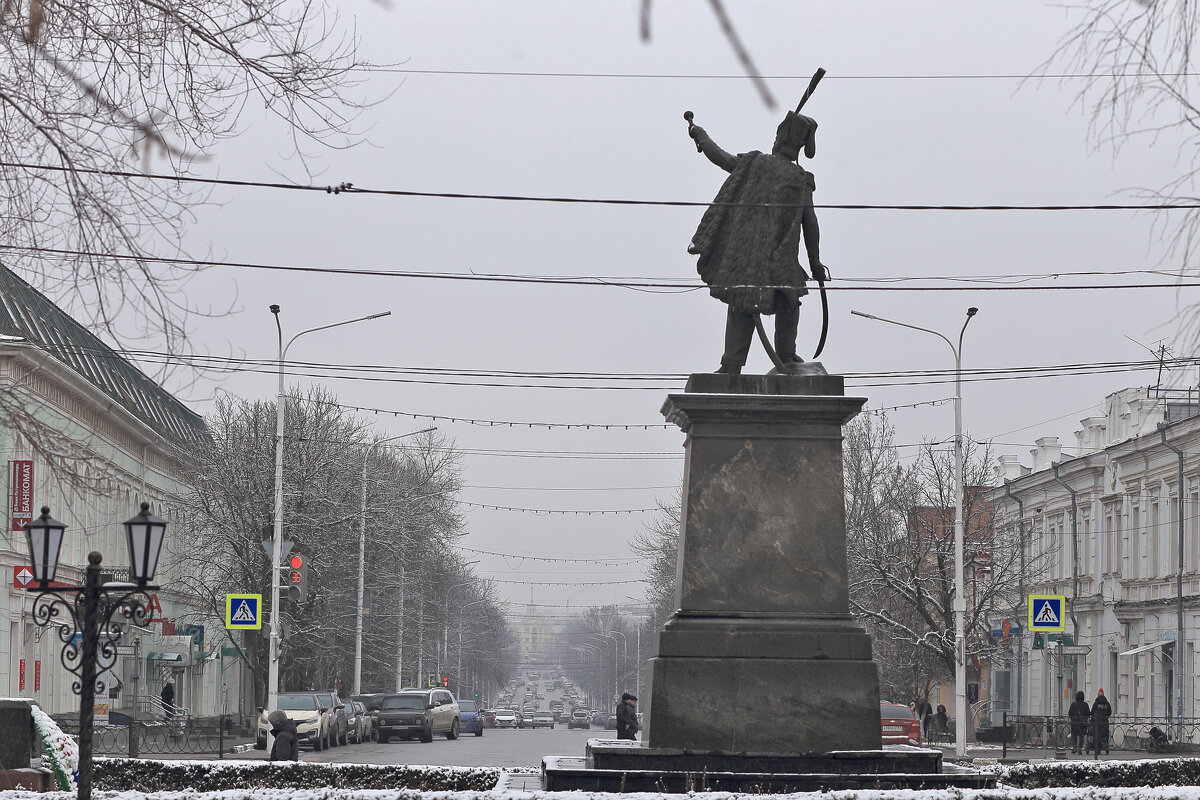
point(749, 253)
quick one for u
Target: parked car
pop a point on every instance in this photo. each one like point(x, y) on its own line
point(506, 718)
point(489, 718)
point(356, 721)
point(900, 725)
point(470, 717)
point(542, 719)
point(422, 713)
point(339, 728)
point(580, 718)
point(372, 702)
point(312, 726)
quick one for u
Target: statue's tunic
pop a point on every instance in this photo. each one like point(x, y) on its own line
point(749, 254)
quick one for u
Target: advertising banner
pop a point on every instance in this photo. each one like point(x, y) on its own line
point(21, 496)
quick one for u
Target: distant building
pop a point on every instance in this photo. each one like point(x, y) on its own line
point(1118, 560)
point(92, 437)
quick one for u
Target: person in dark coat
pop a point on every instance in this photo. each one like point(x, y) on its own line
point(941, 723)
point(627, 725)
point(1101, 711)
point(924, 712)
point(286, 748)
point(1080, 714)
point(168, 698)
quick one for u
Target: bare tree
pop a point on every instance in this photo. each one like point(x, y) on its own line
point(900, 526)
point(1137, 63)
point(418, 583)
point(93, 95)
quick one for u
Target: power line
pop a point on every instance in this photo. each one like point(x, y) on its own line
point(567, 583)
point(608, 281)
point(548, 512)
point(349, 188)
point(608, 563)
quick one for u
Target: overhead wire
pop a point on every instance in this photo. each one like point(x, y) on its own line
point(349, 188)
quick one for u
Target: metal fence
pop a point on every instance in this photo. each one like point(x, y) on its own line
point(178, 737)
point(1147, 734)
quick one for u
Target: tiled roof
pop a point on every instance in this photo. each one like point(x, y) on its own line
point(27, 313)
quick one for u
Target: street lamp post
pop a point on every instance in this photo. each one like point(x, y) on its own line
point(616, 677)
point(960, 597)
point(277, 533)
point(458, 667)
point(362, 549)
point(89, 615)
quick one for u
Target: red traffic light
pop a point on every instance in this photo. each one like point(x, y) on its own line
point(297, 562)
point(445, 680)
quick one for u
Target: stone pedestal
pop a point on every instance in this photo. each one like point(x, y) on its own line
point(763, 655)
point(16, 734)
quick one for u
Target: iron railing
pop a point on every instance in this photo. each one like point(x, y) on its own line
point(182, 737)
point(1147, 734)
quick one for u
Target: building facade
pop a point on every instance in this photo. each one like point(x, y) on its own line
point(85, 433)
point(1116, 530)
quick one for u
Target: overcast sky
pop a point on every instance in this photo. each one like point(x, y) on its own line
point(901, 122)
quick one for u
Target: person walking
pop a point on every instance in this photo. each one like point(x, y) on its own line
point(1080, 714)
point(1101, 711)
point(627, 725)
point(168, 699)
point(924, 712)
point(941, 723)
point(283, 728)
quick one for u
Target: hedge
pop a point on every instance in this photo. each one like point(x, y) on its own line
point(144, 775)
point(1113, 774)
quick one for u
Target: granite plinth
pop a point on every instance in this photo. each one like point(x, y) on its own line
point(640, 769)
point(16, 734)
point(762, 654)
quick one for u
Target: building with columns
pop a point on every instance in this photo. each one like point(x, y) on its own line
point(1115, 528)
point(85, 433)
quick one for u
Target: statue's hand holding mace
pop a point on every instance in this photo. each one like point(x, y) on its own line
point(687, 115)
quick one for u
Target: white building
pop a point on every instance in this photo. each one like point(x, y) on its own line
point(92, 437)
point(1119, 563)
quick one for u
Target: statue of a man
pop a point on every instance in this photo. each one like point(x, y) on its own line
point(749, 239)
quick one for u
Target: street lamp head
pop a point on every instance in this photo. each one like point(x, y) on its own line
point(144, 535)
point(44, 536)
point(275, 308)
point(972, 311)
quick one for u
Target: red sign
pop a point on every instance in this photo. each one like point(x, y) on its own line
point(22, 576)
point(37, 676)
point(22, 683)
point(21, 496)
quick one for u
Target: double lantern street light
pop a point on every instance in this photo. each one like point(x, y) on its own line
point(90, 619)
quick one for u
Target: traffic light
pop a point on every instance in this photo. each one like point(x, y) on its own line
point(297, 573)
point(446, 681)
point(477, 695)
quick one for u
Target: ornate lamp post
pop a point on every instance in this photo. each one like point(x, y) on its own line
point(96, 613)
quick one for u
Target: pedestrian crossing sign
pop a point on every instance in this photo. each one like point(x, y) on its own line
point(243, 611)
point(1046, 613)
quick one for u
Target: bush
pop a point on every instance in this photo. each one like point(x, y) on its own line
point(1156, 772)
point(144, 775)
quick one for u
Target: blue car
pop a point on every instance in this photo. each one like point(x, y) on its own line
point(470, 717)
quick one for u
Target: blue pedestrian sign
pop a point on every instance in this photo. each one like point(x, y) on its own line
point(243, 611)
point(1046, 613)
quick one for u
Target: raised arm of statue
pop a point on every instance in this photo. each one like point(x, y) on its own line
point(715, 154)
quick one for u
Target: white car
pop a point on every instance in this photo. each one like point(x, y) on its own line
point(542, 719)
point(506, 718)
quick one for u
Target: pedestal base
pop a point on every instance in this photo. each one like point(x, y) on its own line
point(612, 766)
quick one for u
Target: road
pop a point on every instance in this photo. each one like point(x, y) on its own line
point(496, 748)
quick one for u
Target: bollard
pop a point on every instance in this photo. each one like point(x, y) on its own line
point(133, 738)
point(221, 737)
point(1004, 734)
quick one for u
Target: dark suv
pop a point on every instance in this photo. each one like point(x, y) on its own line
point(420, 712)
